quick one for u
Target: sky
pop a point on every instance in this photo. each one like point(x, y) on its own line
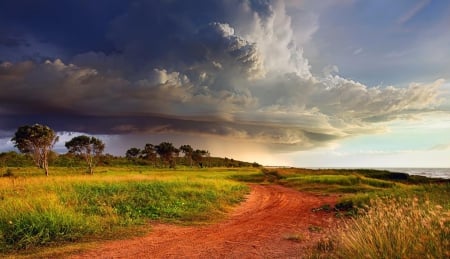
point(332, 83)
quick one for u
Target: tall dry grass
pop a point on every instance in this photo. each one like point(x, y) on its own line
point(397, 228)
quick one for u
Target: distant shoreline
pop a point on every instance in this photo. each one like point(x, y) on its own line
point(443, 173)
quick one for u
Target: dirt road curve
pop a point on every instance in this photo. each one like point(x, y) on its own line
point(259, 228)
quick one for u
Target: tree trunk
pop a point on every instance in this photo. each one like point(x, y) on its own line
point(45, 163)
point(46, 168)
point(91, 166)
point(90, 163)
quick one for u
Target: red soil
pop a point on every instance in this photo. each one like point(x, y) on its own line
point(261, 227)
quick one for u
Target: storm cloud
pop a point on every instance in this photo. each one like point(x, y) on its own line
point(232, 69)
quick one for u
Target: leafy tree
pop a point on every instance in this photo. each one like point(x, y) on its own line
point(207, 154)
point(167, 152)
point(89, 148)
point(198, 156)
point(133, 153)
point(37, 140)
point(149, 153)
point(187, 151)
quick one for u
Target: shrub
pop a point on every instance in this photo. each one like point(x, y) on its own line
point(271, 175)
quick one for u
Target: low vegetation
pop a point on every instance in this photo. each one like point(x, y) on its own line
point(38, 211)
point(73, 161)
point(391, 215)
point(386, 215)
point(396, 228)
point(356, 187)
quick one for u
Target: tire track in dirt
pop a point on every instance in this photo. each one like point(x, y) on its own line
point(258, 228)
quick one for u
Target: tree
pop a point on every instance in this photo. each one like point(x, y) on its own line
point(133, 153)
point(37, 140)
point(208, 155)
point(198, 155)
point(167, 152)
point(149, 153)
point(187, 151)
point(89, 148)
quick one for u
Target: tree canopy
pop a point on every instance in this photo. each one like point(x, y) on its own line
point(187, 151)
point(167, 151)
point(37, 140)
point(90, 148)
point(133, 153)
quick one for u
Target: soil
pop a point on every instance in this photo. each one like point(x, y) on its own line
point(273, 222)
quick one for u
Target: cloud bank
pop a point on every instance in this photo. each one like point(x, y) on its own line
point(233, 69)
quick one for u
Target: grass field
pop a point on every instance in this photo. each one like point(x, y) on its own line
point(355, 187)
point(38, 211)
point(393, 215)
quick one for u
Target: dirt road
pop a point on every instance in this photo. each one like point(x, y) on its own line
point(266, 225)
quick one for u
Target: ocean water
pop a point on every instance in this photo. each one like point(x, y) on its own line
point(428, 172)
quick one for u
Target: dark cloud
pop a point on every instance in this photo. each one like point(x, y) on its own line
point(9, 41)
point(228, 69)
point(79, 26)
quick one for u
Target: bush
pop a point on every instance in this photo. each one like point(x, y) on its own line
point(271, 175)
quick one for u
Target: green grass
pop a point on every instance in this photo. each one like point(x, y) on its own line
point(25, 223)
point(341, 181)
point(69, 205)
point(170, 200)
point(355, 186)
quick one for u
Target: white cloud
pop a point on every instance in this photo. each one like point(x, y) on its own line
point(357, 51)
point(244, 79)
point(413, 11)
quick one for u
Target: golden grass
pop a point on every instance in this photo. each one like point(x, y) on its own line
point(397, 228)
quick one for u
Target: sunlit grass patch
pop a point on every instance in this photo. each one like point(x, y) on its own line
point(344, 180)
point(38, 211)
point(397, 228)
point(168, 200)
point(29, 222)
point(338, 184)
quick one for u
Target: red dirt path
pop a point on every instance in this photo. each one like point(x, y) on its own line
point(259, 228)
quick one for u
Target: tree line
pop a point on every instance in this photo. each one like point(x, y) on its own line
point(168, 154)
point(37, 142)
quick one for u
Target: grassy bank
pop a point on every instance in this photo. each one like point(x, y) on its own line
point(394, 215)
point(355, 187)
point(388, 215)
point(396, 228)
point(67, 206)
point(391, 215)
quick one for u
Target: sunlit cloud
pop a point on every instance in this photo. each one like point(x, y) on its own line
point(220, 71)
